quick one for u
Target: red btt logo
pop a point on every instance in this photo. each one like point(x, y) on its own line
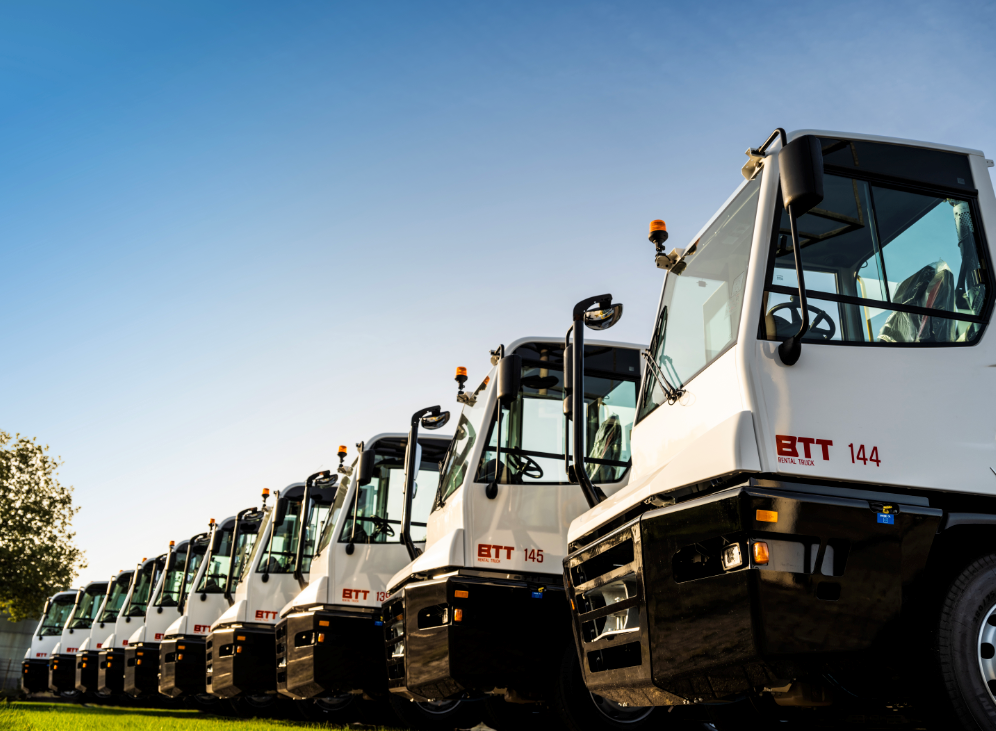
point(485, 551)
point(72, 649)
point(41, 654)
point(265, 614)
point(99, 644)
point(788, 449)
point(354, 595)
point(124, 643)
point(201, 629)
point(159, 635)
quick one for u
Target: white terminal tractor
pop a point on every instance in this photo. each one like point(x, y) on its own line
point(810, 521)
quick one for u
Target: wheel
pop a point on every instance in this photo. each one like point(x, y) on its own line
point(210, 704)
point(438, 715)
point(966, 646)
point(339, 710)
point(262, 705)
point(581, 710)
point(503, 716)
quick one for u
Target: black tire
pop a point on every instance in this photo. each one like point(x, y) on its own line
point(502, 716)
point(581, 710)
point(262, 706)
point(338, 711)
point(438, 716)
point(964, 637)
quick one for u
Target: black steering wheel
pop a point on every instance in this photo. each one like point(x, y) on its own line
point(525, 465)
point(824, 333)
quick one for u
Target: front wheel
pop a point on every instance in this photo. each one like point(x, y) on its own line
point(338, 710)
point(582, 710)
point(966, 645)
point(437, 715)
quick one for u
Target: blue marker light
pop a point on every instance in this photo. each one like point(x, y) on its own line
point(378, 623)
point(886, 519)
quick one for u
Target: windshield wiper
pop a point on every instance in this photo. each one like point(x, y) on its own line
point(671, 393)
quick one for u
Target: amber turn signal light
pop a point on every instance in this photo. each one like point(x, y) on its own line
point(761, 555)
point(458, 615)
point(461, 594)
point(767, 516)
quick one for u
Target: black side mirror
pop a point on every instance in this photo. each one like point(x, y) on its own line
point(278, 519)
point(365, 469)
point(800, 170)
point(435, 422)
point(604, 318)
point(509, 378)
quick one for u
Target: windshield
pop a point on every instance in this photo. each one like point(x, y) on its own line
point(883, 264)
point(245, 544)
point(330, 522)
point(216, 573)
point(87, 606)
point(55, 618)
point(195, 557)
point(147, 578)
point(170, 594)
point(116, 597)
point(533, 427)
point(280, 553)
point(455, 462)
point(701, 305)
point(375, 513)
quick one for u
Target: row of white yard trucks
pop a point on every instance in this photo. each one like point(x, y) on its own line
point(781, 511)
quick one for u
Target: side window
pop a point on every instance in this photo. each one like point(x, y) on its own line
point(882, 265)
point(702, 301)
point(375, 513)
point(532, 428)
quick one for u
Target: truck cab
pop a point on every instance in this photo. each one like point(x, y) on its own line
point(329, 636)
point(481, 613)
point(88, 656)
point(812, 454)
point(62, 665)
point(182, 666)
point(240, 650)
point(141, 673)
point(111, 660)
point(34, 670)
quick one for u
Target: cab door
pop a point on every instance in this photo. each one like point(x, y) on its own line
point(895, 382)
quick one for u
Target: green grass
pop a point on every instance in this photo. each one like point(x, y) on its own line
point(71, 717)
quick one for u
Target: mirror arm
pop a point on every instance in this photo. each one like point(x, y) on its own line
point(406, 504)
point(592, 493)
point(567, 404)
point(790, 350)
point(303, 526)
point(231, 555)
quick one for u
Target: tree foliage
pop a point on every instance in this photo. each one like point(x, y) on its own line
point(37, 554)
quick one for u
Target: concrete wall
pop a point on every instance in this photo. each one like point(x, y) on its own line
point(15, 639)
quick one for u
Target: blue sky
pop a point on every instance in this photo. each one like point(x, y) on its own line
point(236, 235)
